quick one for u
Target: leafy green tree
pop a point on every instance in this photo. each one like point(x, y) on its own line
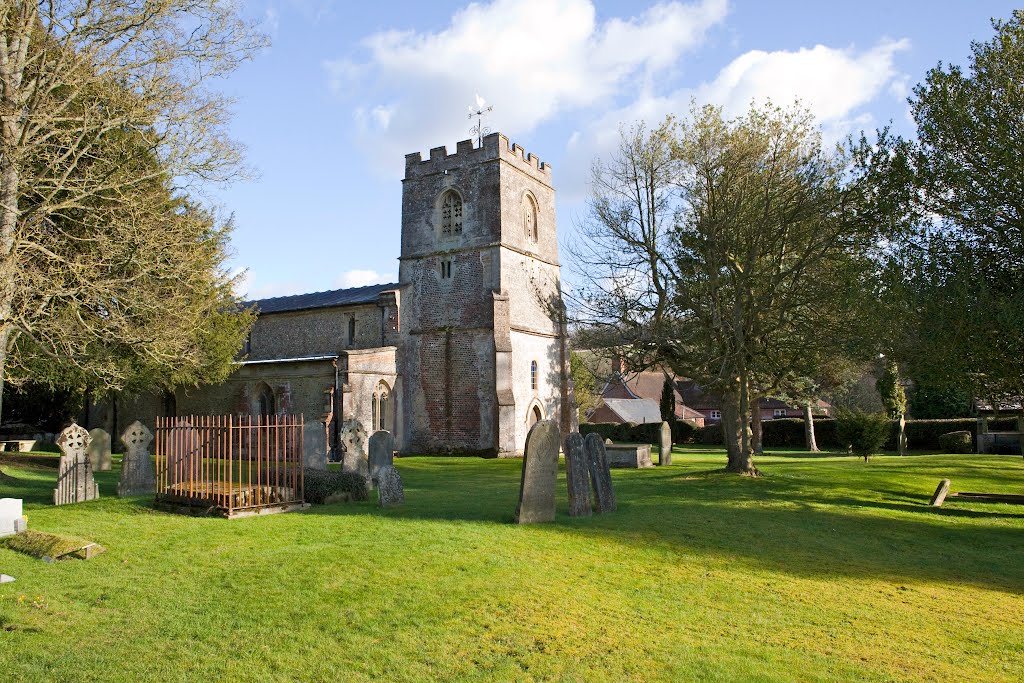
point(894, 398)
point(957, 192)
point(728, 251)
point(864, 433)
point(109, 273)
point(668, 401)
point(583, 384)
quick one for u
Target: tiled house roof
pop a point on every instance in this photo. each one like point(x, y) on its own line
point(329, 299)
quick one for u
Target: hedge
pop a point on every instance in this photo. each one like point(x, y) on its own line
point(650, 432)
point(921, 434)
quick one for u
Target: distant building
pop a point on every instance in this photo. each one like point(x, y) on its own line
point(636, 397)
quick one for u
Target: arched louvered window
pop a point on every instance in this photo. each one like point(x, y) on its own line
point(451, 214)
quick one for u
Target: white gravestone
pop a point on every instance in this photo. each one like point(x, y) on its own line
point(12, 521)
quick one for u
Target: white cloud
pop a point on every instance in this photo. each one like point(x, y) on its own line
point(532, 59)
point(362, 278)
point(836, 84)
point(831, 82)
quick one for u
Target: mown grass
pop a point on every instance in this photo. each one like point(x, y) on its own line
point(824, 570)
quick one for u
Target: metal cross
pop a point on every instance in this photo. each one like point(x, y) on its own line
point(479, 130)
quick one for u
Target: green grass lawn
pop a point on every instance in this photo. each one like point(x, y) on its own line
point(826, 569)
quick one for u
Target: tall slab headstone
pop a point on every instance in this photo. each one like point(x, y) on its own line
point(665, 451)
point(600, 473)
point(540, 472)
point(353, 438)
point(389, 486)
point(74, 480)
point(382, 452)
point(137, 474)
point(99, 450)
point(577, 476)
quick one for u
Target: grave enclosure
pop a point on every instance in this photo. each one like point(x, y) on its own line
point(233, 466)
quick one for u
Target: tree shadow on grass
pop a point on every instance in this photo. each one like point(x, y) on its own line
point(798, 527)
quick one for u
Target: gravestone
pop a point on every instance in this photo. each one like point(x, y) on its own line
point(577, 476)
point(353, 438)
point(137, 474)
point(630, 455)
point(600, 473)
point(540, 472)
point(12, 519)
point(389, 486)
point(665, 452)
point(74, 481)
point(940, 494)
point(99, 450)
point(382, 452)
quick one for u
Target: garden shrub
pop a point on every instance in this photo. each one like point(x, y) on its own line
point(650, 432)
point(956, 442)
point(321, 484)
point(864, 433)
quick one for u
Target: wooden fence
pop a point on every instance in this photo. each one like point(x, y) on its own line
point(229, 465)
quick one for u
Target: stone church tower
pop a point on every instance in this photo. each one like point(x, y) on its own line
point(483, 354)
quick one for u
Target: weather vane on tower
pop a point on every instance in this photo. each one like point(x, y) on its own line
point(479, 130)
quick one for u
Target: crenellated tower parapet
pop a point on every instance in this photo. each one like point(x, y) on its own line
point(495, 146)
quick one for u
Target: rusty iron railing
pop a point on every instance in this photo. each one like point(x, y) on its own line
point(229, 465)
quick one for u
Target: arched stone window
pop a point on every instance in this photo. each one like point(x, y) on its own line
point(533, 375)
point(265, 401)
point(530, 218)
point(380, 409)
point(451, 214)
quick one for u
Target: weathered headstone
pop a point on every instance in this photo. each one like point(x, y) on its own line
point(74, 481)
point(940, 494)
point(137, 474)
point(577, 476)
point(389, 486)
point(12, 520)
point(600, 474)
point(353, 437)
point(665, 451)
point(99, 450)
point(382, 452)
point(540, 472)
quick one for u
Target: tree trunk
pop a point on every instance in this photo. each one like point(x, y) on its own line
point(736, 426)
point(901, 437)
point(812, 443)
point(730, 429)
point(757, 429)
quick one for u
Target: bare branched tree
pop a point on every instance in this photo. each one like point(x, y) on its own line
point(725, 250)
point(107, 123)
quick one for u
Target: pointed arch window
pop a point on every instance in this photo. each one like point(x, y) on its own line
point(380, 410)
point(451, 214)
point(265, 401)
point(530, 218)
point(533, 375)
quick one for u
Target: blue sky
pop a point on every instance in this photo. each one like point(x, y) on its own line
point(347, 89)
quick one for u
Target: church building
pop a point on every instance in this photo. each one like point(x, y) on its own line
point(462, 355)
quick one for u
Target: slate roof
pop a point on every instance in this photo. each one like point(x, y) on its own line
point(638, 410)
point(335, 297)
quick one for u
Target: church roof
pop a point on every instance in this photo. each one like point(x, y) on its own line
point(335, 297)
